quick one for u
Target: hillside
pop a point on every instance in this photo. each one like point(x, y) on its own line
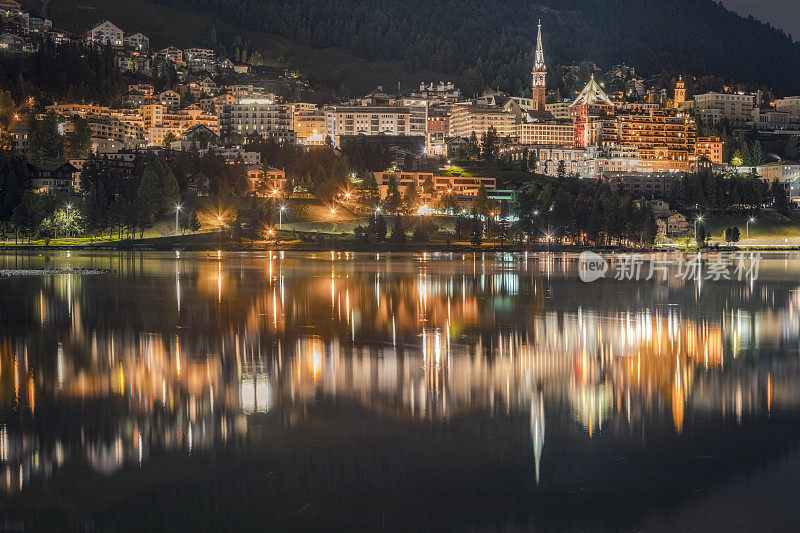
point(487, 43)
point(496, 36)
point(332, 67)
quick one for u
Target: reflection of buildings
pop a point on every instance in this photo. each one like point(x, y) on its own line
point(432, 339)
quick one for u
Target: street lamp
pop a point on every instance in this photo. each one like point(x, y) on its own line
point(69, 208)
point(280, 216)
point(747, 225)
point(377, 212)
point(177, 210)
point(698, 219)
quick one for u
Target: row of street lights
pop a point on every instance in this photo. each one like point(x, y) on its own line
point(750, 220)
point(179, 207)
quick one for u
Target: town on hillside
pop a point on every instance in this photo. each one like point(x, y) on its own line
point(225, 142)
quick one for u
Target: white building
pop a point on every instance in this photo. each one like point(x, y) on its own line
point(790, 105)
point(106, 33)
point(550, 158)
point(770, 119)
point(262, 116)
point(137, 41)
point(467, 117)
point(442, 91)
point(367, 120)
point(737, 108)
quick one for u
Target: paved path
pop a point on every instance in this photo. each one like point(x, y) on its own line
point(768, 241)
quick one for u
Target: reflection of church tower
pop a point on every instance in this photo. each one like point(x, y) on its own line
point(537, 430)
point(680, 92)
point(539, 75)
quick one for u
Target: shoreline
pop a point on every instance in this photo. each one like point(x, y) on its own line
point(340, 246)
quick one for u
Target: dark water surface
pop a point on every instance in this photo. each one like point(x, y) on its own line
point(394, 391)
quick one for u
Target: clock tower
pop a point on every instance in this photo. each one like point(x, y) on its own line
point(539, 75)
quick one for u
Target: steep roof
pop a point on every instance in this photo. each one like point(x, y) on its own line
point(592, 94)
point(538, 64)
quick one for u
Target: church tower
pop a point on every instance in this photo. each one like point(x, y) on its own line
point(539, 75)
point(680, 92)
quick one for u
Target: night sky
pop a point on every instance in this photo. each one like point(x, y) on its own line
point(784, 14)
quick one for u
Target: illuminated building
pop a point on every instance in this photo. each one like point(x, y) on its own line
point(261, 116)
point(712, 107)
point(366, 120)
point(710, 148)
point(467, 118)
point(548, 133)
point(680, 93)
point(176, 123)
point(274, 178)
point(592, 112)
point(539, 76)
point(55, 176)
point(559, 110)
point(463, 185)
point(665, 138)
point(438, 129)
point(790, 105)
point(309, 126)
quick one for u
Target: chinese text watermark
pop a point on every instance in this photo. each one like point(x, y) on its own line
point(736, 266)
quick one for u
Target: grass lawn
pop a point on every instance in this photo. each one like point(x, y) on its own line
point(767, 225)
point(495, 170)
point(166, 25)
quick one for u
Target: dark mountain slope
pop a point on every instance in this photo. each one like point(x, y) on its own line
point(496, 36)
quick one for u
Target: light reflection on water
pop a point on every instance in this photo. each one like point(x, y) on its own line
point(195, 354)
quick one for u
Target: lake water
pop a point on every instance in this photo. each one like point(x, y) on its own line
point(395, 391)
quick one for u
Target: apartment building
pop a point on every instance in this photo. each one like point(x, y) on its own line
point(159, 124)
point(550, 133)
point(137, 41)
point(710, 148)
point(461, 185)
point(466, 118)
point(106, 33)
point(262, 116)
point(366, 120)
point(658, 134)
point(713, 107)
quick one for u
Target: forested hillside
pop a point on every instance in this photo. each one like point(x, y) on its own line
point(492, 40)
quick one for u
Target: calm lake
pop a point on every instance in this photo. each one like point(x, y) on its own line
point(395, 391)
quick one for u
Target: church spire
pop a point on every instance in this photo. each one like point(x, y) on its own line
point(539, 75)
point(539, 62)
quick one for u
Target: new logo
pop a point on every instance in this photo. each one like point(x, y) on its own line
point(591, 267)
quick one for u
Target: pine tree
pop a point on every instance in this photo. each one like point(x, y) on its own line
point(756, 154)
point(399, 230)
point(481, 204)
point(428, 187)
point(411, 199)
point(45, 142)
point(393, 200)
point(780, 200)
point(792, 147)
point(489, 144)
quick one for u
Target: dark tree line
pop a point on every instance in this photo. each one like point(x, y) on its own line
point(64, 72)
point(709, 192)
point(587, 212)
point(492, 42)
point(320, 171)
